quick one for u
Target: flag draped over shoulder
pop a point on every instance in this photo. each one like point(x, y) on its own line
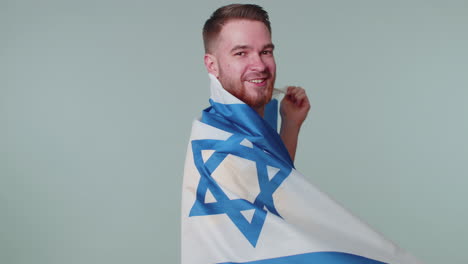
point(244, 202)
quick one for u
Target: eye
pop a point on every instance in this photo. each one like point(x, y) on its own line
point(240, 53)
point(267, 52)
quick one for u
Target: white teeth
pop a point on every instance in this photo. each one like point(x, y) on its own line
point(256, 81)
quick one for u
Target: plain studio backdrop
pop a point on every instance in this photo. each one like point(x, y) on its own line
point(97, 100)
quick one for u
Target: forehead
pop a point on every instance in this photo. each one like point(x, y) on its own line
point(244, 32)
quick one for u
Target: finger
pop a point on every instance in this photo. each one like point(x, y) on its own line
point(297, 90)
point(298, 93)
point(291, 94)
point(293, 87)
point(290, 90)
point(301, 96)
point(303, 99)
point(306, 103)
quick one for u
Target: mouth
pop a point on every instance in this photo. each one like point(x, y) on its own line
point(258, 82)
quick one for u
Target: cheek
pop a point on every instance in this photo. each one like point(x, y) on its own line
point(272, 65)
point(233, 69)
point(227, 67)
point(236, 70)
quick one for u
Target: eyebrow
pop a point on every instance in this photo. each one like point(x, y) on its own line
point(243, 47)
point(269, 46)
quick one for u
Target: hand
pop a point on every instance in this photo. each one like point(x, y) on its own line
point(294, 106)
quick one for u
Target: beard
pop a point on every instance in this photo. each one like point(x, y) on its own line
point(255, 97)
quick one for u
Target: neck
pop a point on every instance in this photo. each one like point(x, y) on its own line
point(260, 110)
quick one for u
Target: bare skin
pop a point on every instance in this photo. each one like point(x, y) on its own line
point(242, 59)
point(293, 110)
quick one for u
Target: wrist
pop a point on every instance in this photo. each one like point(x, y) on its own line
point(290, 124)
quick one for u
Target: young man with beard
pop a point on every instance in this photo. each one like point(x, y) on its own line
point(239, 53)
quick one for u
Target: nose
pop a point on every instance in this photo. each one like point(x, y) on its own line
point(257, 63)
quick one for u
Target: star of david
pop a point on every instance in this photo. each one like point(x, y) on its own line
point(233, 208)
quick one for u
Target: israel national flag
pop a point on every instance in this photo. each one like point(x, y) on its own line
point(244, 202)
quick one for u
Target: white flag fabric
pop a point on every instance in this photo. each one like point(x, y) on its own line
point(244, 202)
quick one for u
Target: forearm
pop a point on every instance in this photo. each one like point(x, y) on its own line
point(289, 133)
point(294, 108)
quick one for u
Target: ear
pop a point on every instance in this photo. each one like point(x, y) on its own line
point(211, 64)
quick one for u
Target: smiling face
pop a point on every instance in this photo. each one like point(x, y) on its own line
point(242, 59)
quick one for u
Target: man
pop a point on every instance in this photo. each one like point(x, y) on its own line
point(239, 53)
point(242, 199)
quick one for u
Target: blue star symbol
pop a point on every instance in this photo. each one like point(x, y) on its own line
point(263, 202)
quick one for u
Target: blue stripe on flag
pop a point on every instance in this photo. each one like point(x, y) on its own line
point(271, 114)
point(315, 258)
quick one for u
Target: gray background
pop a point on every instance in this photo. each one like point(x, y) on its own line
point(97, 99)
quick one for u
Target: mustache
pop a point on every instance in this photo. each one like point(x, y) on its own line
point(257, 75)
